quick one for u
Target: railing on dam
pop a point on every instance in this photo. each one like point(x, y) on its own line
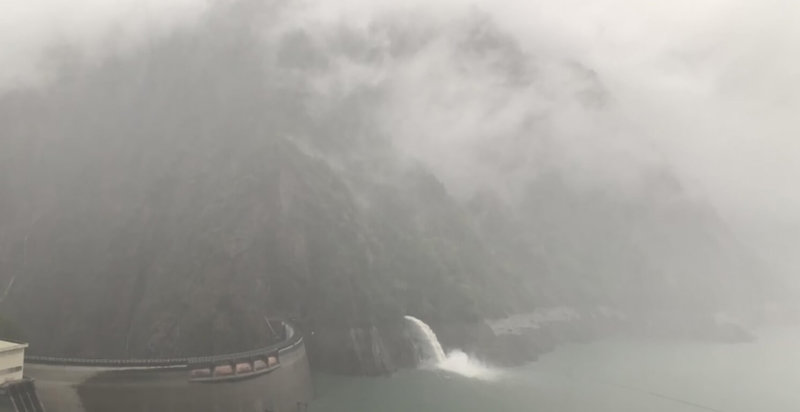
point(275, 377)
point(291, 340)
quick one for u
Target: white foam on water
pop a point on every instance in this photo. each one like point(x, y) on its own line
point(458, 362)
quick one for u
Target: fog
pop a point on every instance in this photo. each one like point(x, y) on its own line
point(707, 88)
point(346, 164)
point(451, 186)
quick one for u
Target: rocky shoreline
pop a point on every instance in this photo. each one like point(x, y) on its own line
point(383, 349)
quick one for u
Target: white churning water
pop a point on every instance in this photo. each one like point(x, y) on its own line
point(431, 354)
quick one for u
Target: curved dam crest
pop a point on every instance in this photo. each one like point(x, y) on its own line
point(275, 378)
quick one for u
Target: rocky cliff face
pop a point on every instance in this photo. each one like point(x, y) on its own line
point(166, 201)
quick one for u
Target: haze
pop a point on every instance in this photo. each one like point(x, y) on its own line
point(706, 87)
point(422, 190)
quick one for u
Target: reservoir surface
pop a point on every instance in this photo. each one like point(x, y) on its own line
point(612, 375)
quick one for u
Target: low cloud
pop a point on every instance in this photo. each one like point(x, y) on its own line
point(490, 93)
point(33, 31)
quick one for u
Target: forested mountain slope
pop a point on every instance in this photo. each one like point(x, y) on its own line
point(165, 201)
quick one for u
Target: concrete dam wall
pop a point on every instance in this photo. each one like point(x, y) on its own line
point(276, 378)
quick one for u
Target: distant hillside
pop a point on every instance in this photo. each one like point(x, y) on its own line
point(165, 202)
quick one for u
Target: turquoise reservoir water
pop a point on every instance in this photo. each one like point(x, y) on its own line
point(615, 375)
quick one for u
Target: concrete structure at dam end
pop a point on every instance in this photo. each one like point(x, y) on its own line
point(276, 378)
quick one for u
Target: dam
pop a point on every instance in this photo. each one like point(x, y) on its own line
point(275, 378)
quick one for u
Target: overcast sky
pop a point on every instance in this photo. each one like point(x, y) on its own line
point(709, 87)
